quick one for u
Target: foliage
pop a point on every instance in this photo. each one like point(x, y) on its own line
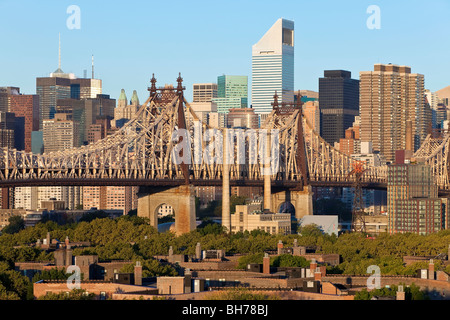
point(151, 268)
point(210, 227)
point(75, 294)
point(236, 200)
point(250, 258)
point(241, 294)
point(131, 238)
point(412, 292)
point(89, 216)
point(215, 207)
point(287, 260)
point(52, 274)
point(13, 285)
point(310, 230)
point(208, 211)
point(168, 218)
point(16, 223)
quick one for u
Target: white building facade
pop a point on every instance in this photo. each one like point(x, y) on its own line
point(273, 66)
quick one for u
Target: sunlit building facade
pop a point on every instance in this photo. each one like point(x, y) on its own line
point(273, 66)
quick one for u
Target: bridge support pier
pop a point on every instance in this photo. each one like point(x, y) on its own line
point(301, 200)
point(181, 199)
point(226, 214)
point(5, 198)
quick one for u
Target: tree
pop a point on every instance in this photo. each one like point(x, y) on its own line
point(287, 260)
point(210, 227)
point(236, 200)
point(151, 268)
point(52, 274)
point(16, 223)
point(12, 284)
point(250, 258)
point(210, 210)
point(310, 230)
point(412, 292)
point(241, 294)
point(75, 294)
point(332, 206)
point(89, 216)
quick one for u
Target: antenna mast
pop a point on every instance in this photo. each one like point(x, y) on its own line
point(59, 51)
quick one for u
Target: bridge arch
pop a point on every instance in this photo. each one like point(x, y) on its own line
point(286, 207)
point(181, 199)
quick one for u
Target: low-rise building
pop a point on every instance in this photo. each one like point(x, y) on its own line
point(328, 224)
point(250, 217)
point(5, 214)
point(375, 224)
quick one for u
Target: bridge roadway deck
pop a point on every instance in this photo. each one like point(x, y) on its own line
point(196, 182)
point(288, 184)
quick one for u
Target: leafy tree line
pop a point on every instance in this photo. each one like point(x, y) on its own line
point(132, 238)
point(412, 292)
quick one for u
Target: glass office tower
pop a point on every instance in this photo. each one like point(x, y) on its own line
point(273, 66)
point(232, 92)
point(338, 103)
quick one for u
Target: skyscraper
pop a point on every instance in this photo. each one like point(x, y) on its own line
point(273, 66)
point(124, 111)
point(26, 106)
point(60, 133)
point(7, 127)
point(84, 88)
point(86, 111)
point(390, 98)
point(61, 85)
point(5, 97)
point(338, 103)
point(204, 92)
point(413, 203)
point(232, 92)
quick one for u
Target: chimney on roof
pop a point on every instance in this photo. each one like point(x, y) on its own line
point(279, 247)
point(266, 264)
point(138, 274)
point(198, 251)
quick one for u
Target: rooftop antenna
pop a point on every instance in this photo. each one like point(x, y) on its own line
point(59, 51)
point(92, 66)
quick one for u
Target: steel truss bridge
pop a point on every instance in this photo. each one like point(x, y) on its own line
point(143, 152)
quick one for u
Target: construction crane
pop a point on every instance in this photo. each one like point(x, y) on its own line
point(358, 223)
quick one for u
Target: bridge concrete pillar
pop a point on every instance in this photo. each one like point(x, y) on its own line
point(301, 200)
point(181, 199)
point(267, 193)
point(5, 198)
point(226, 215)
point(267, 179)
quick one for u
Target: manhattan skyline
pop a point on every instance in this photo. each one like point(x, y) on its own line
point(132, 40)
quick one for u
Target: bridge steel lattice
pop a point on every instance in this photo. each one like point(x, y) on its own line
point(144, 153)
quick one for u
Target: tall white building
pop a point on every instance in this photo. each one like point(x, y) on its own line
point(273, 66)
point(30, 198)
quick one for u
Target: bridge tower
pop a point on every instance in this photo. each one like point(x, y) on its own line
point(300, 196)
point(180, 198)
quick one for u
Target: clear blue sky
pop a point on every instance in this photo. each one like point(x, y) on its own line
point(131, 40)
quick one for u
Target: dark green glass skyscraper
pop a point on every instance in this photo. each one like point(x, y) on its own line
point(232, 92)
